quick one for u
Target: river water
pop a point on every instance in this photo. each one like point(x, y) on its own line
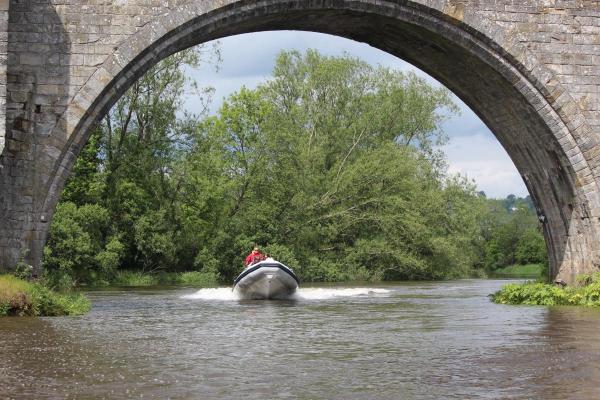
point(442, 340)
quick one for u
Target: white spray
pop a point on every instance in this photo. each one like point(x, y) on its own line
point(226, 294)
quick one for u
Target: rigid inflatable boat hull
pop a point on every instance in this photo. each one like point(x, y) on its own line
point(266, 280)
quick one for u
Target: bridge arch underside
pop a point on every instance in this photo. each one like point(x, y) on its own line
point(482, 74)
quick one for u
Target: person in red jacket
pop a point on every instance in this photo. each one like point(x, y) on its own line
point(254, 257)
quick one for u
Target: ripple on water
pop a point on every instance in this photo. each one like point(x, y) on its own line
point(226, 294)
point(421, 341)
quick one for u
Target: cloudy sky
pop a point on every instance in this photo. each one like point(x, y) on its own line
point(249, 59)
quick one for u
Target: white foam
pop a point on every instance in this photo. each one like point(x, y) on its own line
point(330, 293)
point(222, 294)
point(226, 294)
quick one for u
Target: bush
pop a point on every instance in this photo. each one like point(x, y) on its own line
point(76, 250)
point(18, 297)
point(206, 262)
point(282, 254)
point(154, 240)
point(195, 278)
point(134, 278)
point(49, 303)
point(528, 271)
point(14, 296)
point(536, 293)
point(320, 270)
point(139, 278)
point(23, 270)
point(531, 248)
point(57, 279)
point(531, 293)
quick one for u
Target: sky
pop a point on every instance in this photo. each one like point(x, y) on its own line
point(248, 59)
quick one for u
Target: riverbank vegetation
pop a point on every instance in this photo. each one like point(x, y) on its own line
point(585, 293)
point(139, 278)
point(22, 298)
point(518, 271)
point(511, 236)
point(332, 166)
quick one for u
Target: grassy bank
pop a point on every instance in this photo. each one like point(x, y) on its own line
point(138, 278)
point(515, 271)
point(19, 297)
point(585, 293)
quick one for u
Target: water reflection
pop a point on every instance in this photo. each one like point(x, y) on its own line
point(567, 362)
point(422, 341)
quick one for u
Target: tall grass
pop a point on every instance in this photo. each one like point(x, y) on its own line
point(196, 278)
point(14, 295)
point(134, 278)
point(528, 271)
point(18, 297)
point(138, 278)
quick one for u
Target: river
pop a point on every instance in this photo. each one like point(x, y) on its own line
point(438, 340)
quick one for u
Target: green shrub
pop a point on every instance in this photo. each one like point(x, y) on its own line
point(536, 293)
point(206, 262)
point(531, 293)
point(15, 298)
point(282, 254)
point(528, 270)
point(18, 297)
point(134, 278)
point(320, 270)
point(57, 279)
point(76, 245)
point(196, 278)
point(49, 303)
point(139, 278)
point(531, 248)
point(22, 269)
point(154, 240)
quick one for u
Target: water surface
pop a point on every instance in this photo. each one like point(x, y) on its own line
point(401, 341)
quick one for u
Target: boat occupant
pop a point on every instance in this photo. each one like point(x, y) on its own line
point(254, 257)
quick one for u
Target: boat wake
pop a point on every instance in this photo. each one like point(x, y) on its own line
point(226, 294)
point(222, 294)
point(330, 293)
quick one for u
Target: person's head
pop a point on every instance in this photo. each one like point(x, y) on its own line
point(256, 250)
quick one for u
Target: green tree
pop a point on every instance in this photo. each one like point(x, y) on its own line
point(332, 165)
point(511, 234)
point(87, 184)
point(119, 208)
point(332, 159)
point(80, 247)
point(531, 248)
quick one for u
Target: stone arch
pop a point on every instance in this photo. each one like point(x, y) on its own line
point(532, 115)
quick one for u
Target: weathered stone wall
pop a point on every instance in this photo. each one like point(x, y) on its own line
point(529, 68)
point(3, 59)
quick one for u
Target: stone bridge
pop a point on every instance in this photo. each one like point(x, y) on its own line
point(530, 69)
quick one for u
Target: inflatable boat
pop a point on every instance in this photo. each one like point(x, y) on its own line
point(267, 279)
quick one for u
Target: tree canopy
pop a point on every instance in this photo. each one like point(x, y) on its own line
point(331, 165)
